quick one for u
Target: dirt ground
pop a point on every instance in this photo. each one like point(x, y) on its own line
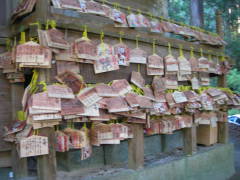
point(234, 135)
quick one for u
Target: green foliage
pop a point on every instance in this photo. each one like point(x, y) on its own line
point(233, 112)
point(233, 80)
point(179, 10)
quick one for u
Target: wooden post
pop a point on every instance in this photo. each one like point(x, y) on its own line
point(42, 9)
point(19, 165)
point(46, 165)
point(222, 126)
point(136, 148)
point(219, 23)
point(223, 132)
point(190, 140)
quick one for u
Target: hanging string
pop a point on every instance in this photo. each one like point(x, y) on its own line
point(121, 33)
point(102, 43)
point(154, 46)
point(181, 50)
point(115, 5)
point(139, 11)
point(8, 44)
point(51, 23)
point(129, 10)
point(169, 48)
point(201, 52)
point(137, 36)
point(218, 59)
point(37, 23)
point(150, 15)
point(223, 57)
point(102, 37)
point(36, 132)
point(209, 55)
point(104, 1)
point(33, 83)
point(192, 52)
point(66, 33)
point(85, 33)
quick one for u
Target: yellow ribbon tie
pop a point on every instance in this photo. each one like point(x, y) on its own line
point(21, 115)
point(22, 38)
point(44, 85)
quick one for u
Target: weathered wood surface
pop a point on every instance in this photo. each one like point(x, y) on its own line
point(19, 165)
point(5, 109)
point(5, 159)
point(136, 148)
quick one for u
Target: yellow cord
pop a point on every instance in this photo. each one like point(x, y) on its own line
point(192, 52)
point(154, 46)
point(137, 36)
point(201, 52)
point(85, 33)
point(8, 44)
point(180, 51)
point(121, 33)
point(209, 56)
point(169, 48)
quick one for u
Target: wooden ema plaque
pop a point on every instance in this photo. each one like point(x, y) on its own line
point(33, 146)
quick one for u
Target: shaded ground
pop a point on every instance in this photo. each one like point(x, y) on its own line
point(234, 134)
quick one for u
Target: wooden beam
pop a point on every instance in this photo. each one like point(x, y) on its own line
point(72, 20)
point(46, 164)
point(19, 165)
point(190, 140)
point(136, 148)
